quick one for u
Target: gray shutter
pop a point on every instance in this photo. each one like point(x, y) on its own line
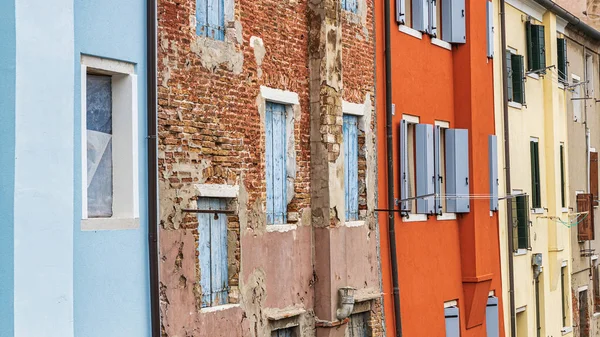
point(432, 30)
point(491, 317)
point(457, 171)
point(437, 169)
point(493, 161)
point(509, 73)
point(490, 29)
point(424, 168)
point(400, 12)
point(453, 21)
point(452, 322)
point(420, 15)
point(405, 205)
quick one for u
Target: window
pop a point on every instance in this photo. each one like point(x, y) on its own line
point(576, 98)
point(212, 253)
point(440, 169)
point(520, 215)
point(562, 60)
point(351, 166)
point(596, 272)
point(359, 325)
point(407, 164)
point(535, 174)
point(287, 332)
point(585, 226)
point(584, 321)
point(564, 282)
point(563, 199)
point(491, 317)
point(516, 77)
point(522, 329)
point(594, 177)
point(536, 48)
point(350, 5)
point(110, 193)
point(452, 317)
point(589, 75)
point(276, 172)
point(210, 19)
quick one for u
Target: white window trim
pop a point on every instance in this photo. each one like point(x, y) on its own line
point(515, 105)
point(281, 228)
point(441, 43)
point(218, 308)
point(449, 304)
point(411, 118)
point(521, 309)
point(491, 293)
point(564, 263)
point(354, 109)
point(444, 216)
point(217, 190)
point(358, 223)
point(594, 257)
point(409, 31)
point(414, 217)
point(279, 96)
point(566, 330)
point(125, 121)
point(582, 288)
point(534, 76)
point(521, 251)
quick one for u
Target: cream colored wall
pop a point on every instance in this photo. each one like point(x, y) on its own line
point(543, 117)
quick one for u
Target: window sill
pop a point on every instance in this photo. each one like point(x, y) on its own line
point(281, 228)
point(109, 224)
point(441, 43)
point(520, 252)
point(415, 218)
point(515, 105)
point(409, 31)
point(561, 86)
point(446, 216)
point(565, 210)
point(354, 223)
point(566, 330)
point(219, 308)
point(534, 76)
point(596, 315)
point(537, 211)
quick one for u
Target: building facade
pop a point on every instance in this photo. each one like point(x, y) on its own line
point(444, 170)
point(74, 251)
point(267, 169)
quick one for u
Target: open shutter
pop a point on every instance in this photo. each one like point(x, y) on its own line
point(400, 12)
point(420, 15)
point(594, 177)
point(563, 197)
point(536, 47)
point(536, 201)
point(518, 78)
point(404, 205)
point(437, 169)
point(493, 162)
point(490, 28)
point(515, 222)
point(424, 168)
point(562, 60)
point(457, 170)
point(453, 21)
point(204, 252)
point(452, 322)
point(541, 47)
point(432, 18)
point(529, 41)
point(585, 228)
point(522, 215)
point(509, 73)
point(216, 20)
point(491, 317)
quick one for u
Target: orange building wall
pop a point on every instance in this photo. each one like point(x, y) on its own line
point(439, 261)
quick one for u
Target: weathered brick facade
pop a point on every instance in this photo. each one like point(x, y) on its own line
point(211, 131)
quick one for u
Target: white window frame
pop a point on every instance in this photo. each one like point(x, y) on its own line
point(444, 125)
point(125, 144)
point(412, 215)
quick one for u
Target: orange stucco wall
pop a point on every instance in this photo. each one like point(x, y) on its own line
point(440, 261)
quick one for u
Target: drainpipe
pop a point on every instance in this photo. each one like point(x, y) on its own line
point(509, 216)
point(152, 166)
point(390, 169)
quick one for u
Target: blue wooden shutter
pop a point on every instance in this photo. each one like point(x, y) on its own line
point(491, 317)
point(437, 141)
point(350, 5)
point(276, 173)
point(452, 322)
point(400, 12)
point(210, 19)
point(424, 168)
point(493, 162)
point(457, 171)
point(212, 250)
point(405, 205)
point(351, 166)
point(201, 17)
point(490, 29)
point(453, 21)
point(420, 15)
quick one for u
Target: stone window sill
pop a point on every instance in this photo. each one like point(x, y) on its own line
point(109, 224)
point(415, 218)
point(281, 228)
point(354, 223)
point(219, 308)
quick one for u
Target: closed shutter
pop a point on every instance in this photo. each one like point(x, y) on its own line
point(400, 12)
point(432, 30)
point(520, 222)
point(536, 47)
point(457, 171)
point(491, 317)
point(535, 175)
point(350, 130)
point(453, 21)
point(452, 322)
point(424, 168)
point(563, 201)
point(437, 169)
point(594, 177)
point(490, 29)
point(493, 167)
point(509, 77)
point(585, 228)
point(420, 15)
point(518, 78)
point(276, 172)
point(404, 205)
point(562, 60)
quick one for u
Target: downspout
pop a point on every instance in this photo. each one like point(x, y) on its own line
point(509, 216)
point(390, 170)
point(151, 23)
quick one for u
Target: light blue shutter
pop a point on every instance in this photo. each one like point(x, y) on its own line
point(452, 322)
point(490, 29)
point(420, 14)
point(491, 317)
point(432, 30)
point(351, 166)
point(400, 12)
point(437, 169)
point(201, 17)
point(457, 170)
point(204, 252)
point(276, 173)
point(216, 19)
point(212, 250)
point(405, 205)
point(282, 333)
point(424, 168)
point(453, 21)
point(493, 162)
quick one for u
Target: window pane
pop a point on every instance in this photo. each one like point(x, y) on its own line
point(99, 146)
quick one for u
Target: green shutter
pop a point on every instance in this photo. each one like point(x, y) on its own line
point(518, 84)
point(520, 215)
point(529, 41)
point(535, 175)
point(509, 76)
point(536, 47)
point(562, 60)
point(562, 177)
point(541, 51)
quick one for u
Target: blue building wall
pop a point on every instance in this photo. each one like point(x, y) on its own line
point(7, 164)
point(111, 283)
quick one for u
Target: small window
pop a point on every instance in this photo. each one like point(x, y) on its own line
point(562, 60)
point(536, 48)
point(359, 325)
point(210, 19)
point(350, 5)
point(351, 166)
point(535, 174)
point(287, 332)
point(212, 253)
point(516, 77)
point(563, 198)
point(520, 215)
point(276, 172)
point(452, 321)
